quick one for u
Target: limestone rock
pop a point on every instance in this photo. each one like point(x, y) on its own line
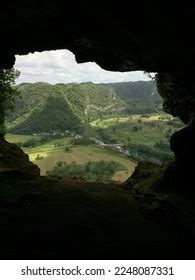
point(145, 179)
point(13, 158)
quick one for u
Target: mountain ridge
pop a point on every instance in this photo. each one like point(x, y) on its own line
point(42, 107)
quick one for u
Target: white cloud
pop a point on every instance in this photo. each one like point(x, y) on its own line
point(60, 66)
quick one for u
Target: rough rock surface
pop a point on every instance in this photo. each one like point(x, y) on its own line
point(53, 219)
point(180, 174)
point(145, 179)
point(118, 37)
point(155, 203)
point(12, 157)
point(49, 218)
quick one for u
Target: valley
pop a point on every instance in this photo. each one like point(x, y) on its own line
point(74, 129)
point(47, 155)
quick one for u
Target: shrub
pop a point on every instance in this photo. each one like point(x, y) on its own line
point(30, 143)
point(90, 171)
point(38, 157)
point(67, 150)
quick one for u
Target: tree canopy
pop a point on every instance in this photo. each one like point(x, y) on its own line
point(7, 94)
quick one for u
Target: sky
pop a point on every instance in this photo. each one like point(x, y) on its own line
point(60, 66)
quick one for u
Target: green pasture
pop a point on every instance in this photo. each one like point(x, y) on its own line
point(81, 155)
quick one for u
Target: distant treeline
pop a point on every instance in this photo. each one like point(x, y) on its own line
point(160, 153)
point(90, 171)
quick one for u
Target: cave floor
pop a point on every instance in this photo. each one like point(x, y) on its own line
point(55, 218)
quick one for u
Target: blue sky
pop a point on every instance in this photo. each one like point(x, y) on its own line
point(60, 66)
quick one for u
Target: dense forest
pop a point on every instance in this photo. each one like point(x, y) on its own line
point(140, 97)
point(42, 107)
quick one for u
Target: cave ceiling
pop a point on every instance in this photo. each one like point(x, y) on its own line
point(119, 36)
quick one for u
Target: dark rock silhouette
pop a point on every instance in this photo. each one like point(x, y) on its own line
point(13, 158)
point(145, 179)
point(180, 173)
point(116, 37)
point(50, 218)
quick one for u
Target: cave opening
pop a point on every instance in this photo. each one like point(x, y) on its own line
point(151, 214)
point(78, 120)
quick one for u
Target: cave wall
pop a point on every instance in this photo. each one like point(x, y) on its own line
point(125, 37)
point(119, 37)
point(178, 93)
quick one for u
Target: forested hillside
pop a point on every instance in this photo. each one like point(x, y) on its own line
point(42, 107)
point(140, 97)
point(91, 101)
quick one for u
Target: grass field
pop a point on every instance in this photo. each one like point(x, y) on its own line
point(153, 128)
point(50, 145)
point(105, 123)
point(15, 138)
point(81, 155)
point(51, 154)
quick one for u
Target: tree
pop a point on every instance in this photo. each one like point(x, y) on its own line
point(135, 129)
point(7, 94)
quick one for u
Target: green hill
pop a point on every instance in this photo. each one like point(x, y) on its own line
point(42, 107)
point(140, 97)
point(91, 101)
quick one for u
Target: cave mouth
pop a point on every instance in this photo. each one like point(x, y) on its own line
point(44, 217)
point(78, 120)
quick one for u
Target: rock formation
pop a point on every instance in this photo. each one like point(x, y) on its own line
point(116, 37)
point(119, 38)
point(12, 158)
